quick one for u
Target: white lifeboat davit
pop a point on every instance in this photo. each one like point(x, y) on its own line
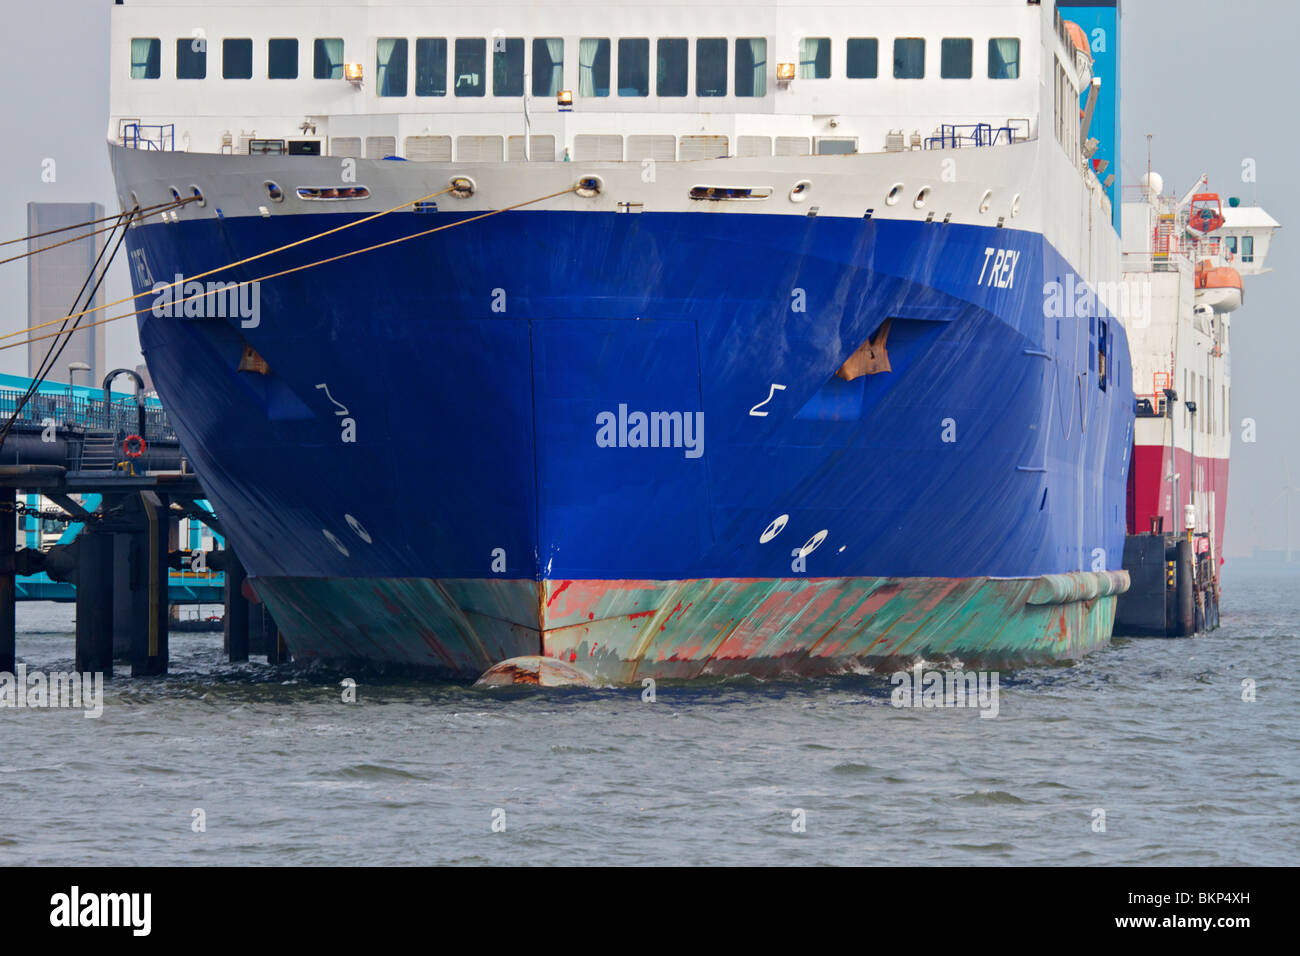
point(1219, 287)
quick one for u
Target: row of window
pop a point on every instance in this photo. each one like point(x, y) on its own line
point(1200, 389)
point(1247, 247)
point(236, 59)
point(746, 73)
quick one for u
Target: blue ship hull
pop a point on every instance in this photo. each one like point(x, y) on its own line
point(475, 367)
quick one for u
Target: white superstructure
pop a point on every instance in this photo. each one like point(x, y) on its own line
point(505, 83)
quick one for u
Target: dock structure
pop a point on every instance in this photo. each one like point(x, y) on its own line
point(113, 470)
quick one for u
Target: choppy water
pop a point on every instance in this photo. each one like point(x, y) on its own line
point(1154, 732)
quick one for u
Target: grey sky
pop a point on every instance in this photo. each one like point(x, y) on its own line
point(1214, 82)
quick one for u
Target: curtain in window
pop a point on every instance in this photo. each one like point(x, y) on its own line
point(391, 71)
point(144, 59)
point(588, 51)
point(329, 59)
point(555, 50)
point(1005, 53)
point(757, 50)
point(386, 47)
point(814, 58)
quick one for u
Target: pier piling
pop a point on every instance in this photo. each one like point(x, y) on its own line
point(152, 654)
point(94, 640)
point(8, 586)
point(236, 610)
point(275, 649)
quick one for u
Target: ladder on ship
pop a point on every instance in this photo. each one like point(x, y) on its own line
point(1164, 243)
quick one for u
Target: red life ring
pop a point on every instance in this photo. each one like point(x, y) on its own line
point(127, 445)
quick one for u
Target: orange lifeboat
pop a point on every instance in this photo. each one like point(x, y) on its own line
point(1080, 38)
point(1219, 287)
point(1206, 215)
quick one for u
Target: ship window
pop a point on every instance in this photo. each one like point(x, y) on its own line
point(146, 58)
point(390, 66)
point(191, 58)
point(670, 58)
point(1247, 248)
point(751, 66)
point(1004, 58)
point(236, 59)
point(815, 58)
point(430, 66)
point(1231, 243)
point(508, 66)
point(548, 66)
point(863, 58)
point(328, 57)
point(909, 58)
point(471, 64)
point(282, 59)
point(633, 67)
point(593, 67)
point(711, 67)
point(957, 54)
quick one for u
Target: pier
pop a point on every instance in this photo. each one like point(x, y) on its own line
point(110, 470)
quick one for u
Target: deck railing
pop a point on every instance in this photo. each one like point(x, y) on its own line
point(956, 136)
point(160, 137)
point(93, 414)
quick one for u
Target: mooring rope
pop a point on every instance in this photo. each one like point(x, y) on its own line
point(276, 275)
point(157, 210)
point(95, 222)
point(260, 255)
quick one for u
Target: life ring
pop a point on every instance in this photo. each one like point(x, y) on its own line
point(134, 442)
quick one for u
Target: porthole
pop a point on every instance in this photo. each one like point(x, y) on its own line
point(273, 191)
point(895, 194)
point(799, 191)
point(921, 198)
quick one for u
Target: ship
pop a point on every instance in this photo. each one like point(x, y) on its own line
point(657, 342)
point(1184, 260)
